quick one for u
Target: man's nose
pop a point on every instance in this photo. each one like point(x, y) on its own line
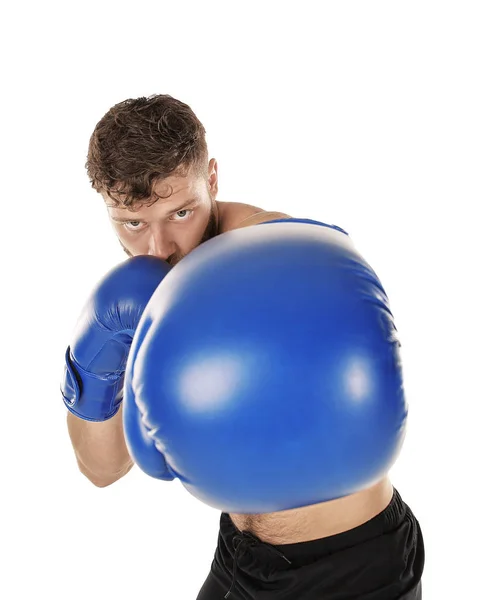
point(161, 246)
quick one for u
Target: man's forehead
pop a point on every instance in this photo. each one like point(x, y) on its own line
point(168, 190)
point(175, 185)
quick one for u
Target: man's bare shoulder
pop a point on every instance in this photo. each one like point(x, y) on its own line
point(233, 215)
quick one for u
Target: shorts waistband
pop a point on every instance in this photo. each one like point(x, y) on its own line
point(301, 552)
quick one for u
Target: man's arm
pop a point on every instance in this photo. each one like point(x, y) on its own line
point(93, 376)
point(100, 448)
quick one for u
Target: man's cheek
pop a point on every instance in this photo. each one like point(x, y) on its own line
point(125, 249)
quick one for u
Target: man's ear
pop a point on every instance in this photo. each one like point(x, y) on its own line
point(213, 177)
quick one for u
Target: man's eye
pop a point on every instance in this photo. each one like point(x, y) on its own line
point(133, 225)
point(182, 215)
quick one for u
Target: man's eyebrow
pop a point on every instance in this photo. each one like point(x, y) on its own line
point(129, 219)
point(172, 210)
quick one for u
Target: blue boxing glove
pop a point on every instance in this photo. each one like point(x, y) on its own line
point(283, 386)
point(143, 448)
point(95, 362)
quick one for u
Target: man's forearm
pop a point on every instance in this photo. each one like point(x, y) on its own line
point(100, 448)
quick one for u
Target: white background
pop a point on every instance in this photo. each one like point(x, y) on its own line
point(375, 116)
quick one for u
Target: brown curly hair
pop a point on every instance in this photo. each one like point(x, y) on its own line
point(141, 140)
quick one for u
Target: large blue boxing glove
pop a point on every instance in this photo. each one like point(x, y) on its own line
point(95, 361)
point(283, 386)
point(144, 450)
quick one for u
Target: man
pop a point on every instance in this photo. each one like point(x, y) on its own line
point(148, 159)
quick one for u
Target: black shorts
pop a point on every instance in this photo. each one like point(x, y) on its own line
point(382, 559)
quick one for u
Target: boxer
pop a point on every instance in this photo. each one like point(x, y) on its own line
point(346, 533)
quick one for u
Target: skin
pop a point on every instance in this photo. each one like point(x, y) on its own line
point(186, 214)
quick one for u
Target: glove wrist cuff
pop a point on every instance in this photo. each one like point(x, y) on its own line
point(89, 397)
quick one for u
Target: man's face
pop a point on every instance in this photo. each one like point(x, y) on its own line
point(173, 225)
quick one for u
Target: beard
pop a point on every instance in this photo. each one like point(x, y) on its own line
point(211, 230)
